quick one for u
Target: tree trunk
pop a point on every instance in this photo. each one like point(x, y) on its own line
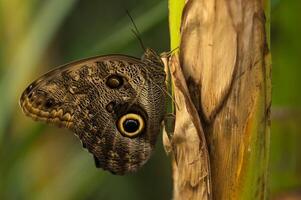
point(222, 89)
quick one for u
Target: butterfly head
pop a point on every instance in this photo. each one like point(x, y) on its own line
point(151, 56)
point(42, 101)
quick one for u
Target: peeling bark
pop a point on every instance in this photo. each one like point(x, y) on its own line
point(191, 159)
point(225, 61)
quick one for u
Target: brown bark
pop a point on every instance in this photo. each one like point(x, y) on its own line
point(225, 61)
point(191, 158)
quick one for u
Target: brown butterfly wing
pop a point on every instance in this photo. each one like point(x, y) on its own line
point(114, 104)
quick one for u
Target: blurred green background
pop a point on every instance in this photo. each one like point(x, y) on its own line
point(43, 162)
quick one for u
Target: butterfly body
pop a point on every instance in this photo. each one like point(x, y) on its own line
point(114, 104)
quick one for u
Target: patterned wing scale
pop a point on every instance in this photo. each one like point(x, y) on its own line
point(113, 103)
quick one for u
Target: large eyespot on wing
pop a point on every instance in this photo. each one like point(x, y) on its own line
point(131, 125)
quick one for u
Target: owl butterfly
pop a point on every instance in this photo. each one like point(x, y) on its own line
point(113, 103)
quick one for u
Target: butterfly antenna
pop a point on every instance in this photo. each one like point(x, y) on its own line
point(136, 31)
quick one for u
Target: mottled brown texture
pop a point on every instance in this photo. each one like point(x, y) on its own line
point(89, 96)
point(225, 61)
point(191, 166)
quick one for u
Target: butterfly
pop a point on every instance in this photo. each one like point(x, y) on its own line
point(113, 103)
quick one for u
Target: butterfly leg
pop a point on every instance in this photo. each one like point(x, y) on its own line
point(169, 126)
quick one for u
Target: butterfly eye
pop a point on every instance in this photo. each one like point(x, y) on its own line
point(49, 103)
point(114, 81)
point(130, 125)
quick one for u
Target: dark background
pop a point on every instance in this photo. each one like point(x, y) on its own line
point(43, 162)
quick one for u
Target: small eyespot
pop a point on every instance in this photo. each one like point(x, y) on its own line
point(49, 103)
point(130, 125)
point(110, 107)
point(114, 81)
